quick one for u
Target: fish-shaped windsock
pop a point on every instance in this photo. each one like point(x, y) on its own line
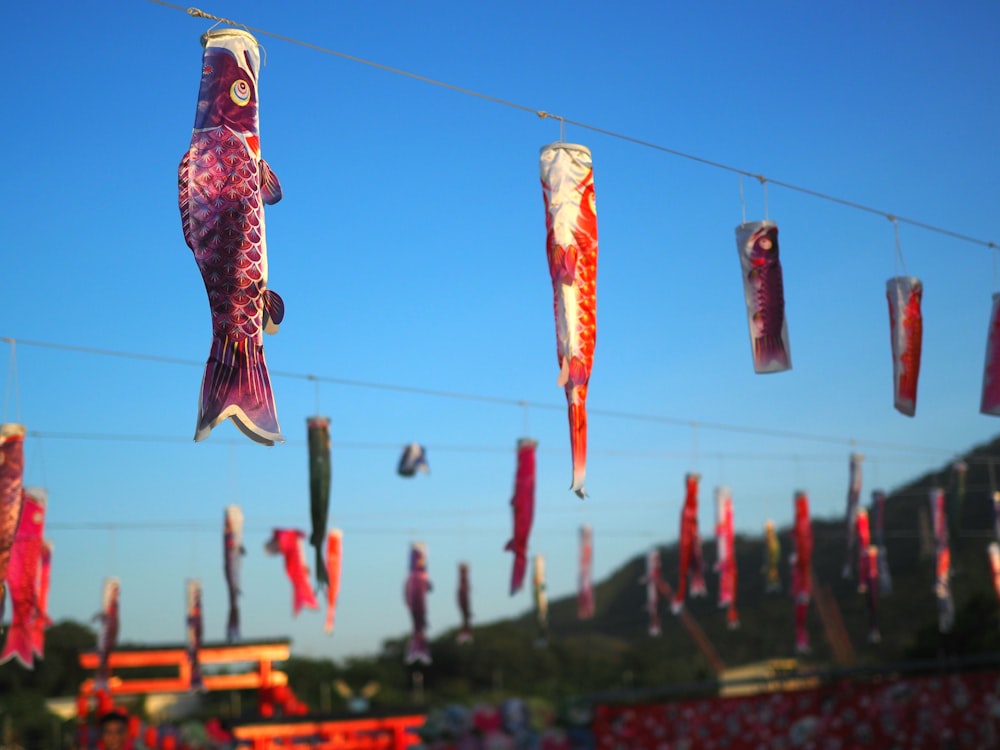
point(725, 542)
point(757, 244)
point(571, 247)
point(996, 515)
point(541, 600)
point(864, 540)
point(688, 539)
point(850, 522)
point(334, 561)
point(801, 560)
point(942, 553)
point(223, 184)
point(42, 620)
point(464, 603)
point(655, 587)
point(318, 429)
point(772, 558)
point(413, 459)
point(288, 542)
point(193, 630)
point(232, 561)
point(415, 594)
point(108, 637)
point(523, 506)
point(585, 589)
point(11, 494)
point(869, 573)
point(22, 580)
point(906, 327)
point(990, 401)
point(696, 572)
point(877, 513)
point(993, 550)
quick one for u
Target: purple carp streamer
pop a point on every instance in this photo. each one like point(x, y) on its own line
point(108, 637)
point(223, 184)
point(415, 594)
point(942, 567)
point(990, 401)
point(232, 561)
point(763, 287)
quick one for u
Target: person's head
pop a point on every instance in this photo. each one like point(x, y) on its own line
point(114, 730)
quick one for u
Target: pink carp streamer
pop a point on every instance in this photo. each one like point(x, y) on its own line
point(464, 596)
point(415, 594)
point(942, 554)
point(223, 184)
point(42, 620)
point(878, 512)
point(108, 637)
point(523, 507)
point(906, 326)
point(585, 593)
point(571, 248)
point(22, 581)
point(801, 560)
point(11, 495)
point(289, 543)
point(763, 288)
point(334, 563)
point(851, 521)
point(990, 401)
point(688, 539)
point(655, 588)
point(194, 628)
point(725, 565)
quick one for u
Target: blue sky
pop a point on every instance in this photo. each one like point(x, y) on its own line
point(410, 249)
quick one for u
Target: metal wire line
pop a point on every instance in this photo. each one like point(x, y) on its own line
point(504, 401)
point(197, 13)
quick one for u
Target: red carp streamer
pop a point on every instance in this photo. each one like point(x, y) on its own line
point(906, 327)
point(42, 620)
point(523, 507)
point(585, 592)
point(688, 539)
point(571, 247)
point(108, 637)
point(802, 570)
point(22, 581)
point(289, 543)
point(763, 288)
point(334, 562)
point(864, 540)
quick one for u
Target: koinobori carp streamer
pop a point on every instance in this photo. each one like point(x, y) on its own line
point(571, 247)
point(11, 494)
point(318, 432)
point(223, 184)
point(990, 401)
point(232, 561)
point(906, 327)
point(764, 290)
point(523, 506)
point(585, 590)
point(22, 580)
point(415, 590)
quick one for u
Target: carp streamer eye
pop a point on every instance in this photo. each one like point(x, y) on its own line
point(239, 92)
